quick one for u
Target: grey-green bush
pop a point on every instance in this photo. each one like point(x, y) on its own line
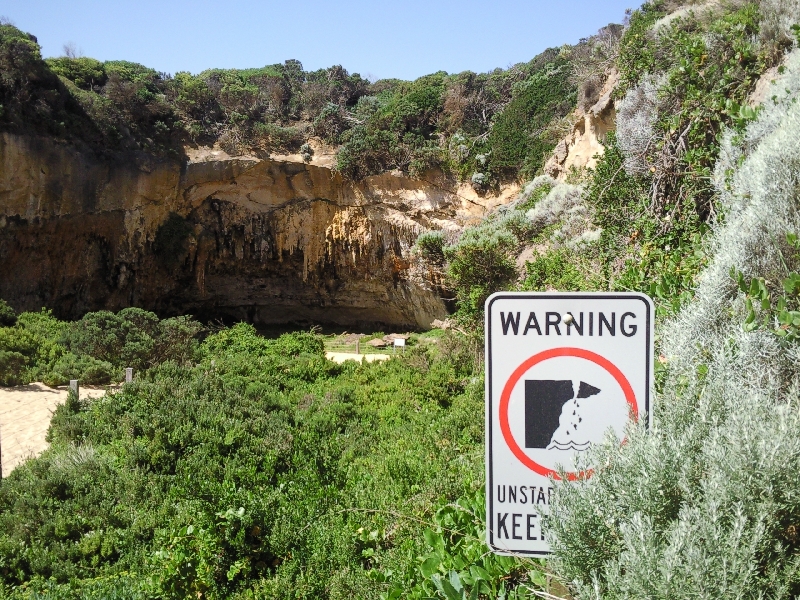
point(562, 206)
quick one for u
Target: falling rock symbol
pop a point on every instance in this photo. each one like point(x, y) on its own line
point(570, 435)
point(585, 419)
point(556, 418)
point(585, 390)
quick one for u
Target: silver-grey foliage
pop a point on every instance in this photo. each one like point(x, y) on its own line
point(707, 505)
point(479, 181)
point(777, 18)
point(636, 120)
point(563, 206)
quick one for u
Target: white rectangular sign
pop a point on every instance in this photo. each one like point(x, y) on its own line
point(562, 369)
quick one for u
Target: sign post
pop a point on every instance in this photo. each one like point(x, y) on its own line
point(563, 371)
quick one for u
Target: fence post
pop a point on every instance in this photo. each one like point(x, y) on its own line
point(358, 345)
point(74, 387)
point(128, 375)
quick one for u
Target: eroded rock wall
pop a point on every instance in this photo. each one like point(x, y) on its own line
point(267, 240)
point(584, 144)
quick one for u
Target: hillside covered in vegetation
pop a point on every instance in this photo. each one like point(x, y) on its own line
point(237, 466)
point(493, 124)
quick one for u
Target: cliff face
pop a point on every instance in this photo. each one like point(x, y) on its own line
point(266, 240)
point(584, 144)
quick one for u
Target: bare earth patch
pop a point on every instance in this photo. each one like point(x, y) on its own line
point(340, 357)
point(25, 413)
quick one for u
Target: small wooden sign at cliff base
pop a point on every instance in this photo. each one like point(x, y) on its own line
point(562, 371)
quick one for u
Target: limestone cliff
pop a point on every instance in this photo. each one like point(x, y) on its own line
point(266, 240)
point(581, 147)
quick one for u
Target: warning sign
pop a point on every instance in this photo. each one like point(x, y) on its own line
point(563, 371)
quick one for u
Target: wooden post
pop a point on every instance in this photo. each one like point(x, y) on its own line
point(358, 345)
point(74, 387)
point(128, 375)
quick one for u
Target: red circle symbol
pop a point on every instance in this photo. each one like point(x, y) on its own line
point(505, 398)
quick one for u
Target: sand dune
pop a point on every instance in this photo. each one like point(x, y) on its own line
point(25, 413)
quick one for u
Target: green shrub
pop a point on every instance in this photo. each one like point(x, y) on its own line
point(455, 564)
point(18, 352)
point(430, 245)
point(516, 139)
point(535, 191)
point(46, 332)
point(637, 47)
point(555, 270)
point(296, 343)
point(13, 367)
point(125, 586)
point(276, 137)
point(86, 73)
point(442, 384)
point(95, 349)
point(367, 151)
point(241, 338)
point(103, 335)
point(31, 95)
point(195, 100)
point(687, 81)
point(132, 338)
point(781, 315)
point(87, 369)
point(176, 340)
point(639, 250)
point(8, 318)
point(258, 469)
point(132, 72)
point(330, 123)
point(480, 263)
point(124, 107)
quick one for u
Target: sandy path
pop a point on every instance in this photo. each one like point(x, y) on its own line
point(340, 357)
point(25, 413)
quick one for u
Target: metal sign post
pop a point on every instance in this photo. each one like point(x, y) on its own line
point(563, 371)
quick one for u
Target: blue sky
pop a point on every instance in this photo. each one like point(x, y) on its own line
point(377, 39)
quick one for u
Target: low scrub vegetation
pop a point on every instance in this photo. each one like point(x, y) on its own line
point(247, 467)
